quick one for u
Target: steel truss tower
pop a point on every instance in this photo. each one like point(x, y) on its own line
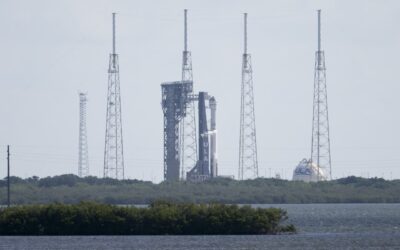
point(83, 162)
point(248, 163)
point(113, 151)
point(320, 142)
point(174, 101)
point(188, 145)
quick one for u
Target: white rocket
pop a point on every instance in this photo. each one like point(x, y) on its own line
point(212, 133)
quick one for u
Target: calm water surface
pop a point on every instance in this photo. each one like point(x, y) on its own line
point(321, 226)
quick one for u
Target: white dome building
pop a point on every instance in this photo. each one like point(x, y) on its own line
point(308, 172)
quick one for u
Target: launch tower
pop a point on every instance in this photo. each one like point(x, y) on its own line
point(188, 155)
point(207, 165)
point(174, 100)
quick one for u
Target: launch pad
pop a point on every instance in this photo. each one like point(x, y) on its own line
point(175, 98)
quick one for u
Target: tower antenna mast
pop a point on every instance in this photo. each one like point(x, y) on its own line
point(187, 130)
point(185, 30)
point(113, 150)
point(113, 18)
point(319, 30)
point(245, 33)
point(320, 140)
point(248, 162)
point(83, 162)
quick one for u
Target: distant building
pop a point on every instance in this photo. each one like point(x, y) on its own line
point(309, 172)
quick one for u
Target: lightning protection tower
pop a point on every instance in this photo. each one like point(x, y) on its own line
point(248, 163)
point(113, 151)
point(188, 145)
point(320, 142)
point(83, 162)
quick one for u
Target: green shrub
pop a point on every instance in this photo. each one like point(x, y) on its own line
point(160, 218)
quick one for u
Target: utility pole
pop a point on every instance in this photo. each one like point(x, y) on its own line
point(8, 175)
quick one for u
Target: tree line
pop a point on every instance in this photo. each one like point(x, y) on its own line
point(72, 189)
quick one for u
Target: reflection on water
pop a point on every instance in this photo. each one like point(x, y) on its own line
point(343, 218)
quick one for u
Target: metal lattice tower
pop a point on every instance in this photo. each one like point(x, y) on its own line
point(113, 151)
point(83, 162)
point(248, 163)
point(174, 99)
point(188, 145)
point(320, 142)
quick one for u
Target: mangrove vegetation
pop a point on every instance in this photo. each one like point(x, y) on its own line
point(160, 218)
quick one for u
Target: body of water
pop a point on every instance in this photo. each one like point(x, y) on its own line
point(321, 226)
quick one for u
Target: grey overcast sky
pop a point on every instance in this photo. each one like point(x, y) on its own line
point(51, 49)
